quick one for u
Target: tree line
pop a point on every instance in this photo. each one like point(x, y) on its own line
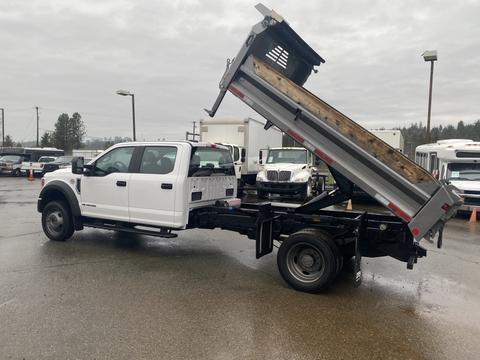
point(416, 134)
point(68, 134)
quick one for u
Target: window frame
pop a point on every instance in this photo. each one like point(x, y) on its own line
point(130, 166)
point(139, 159)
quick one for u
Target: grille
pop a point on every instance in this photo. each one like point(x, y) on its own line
point(279, 56)
point(272, 175)
point(284, 175)
point(471, 201)
point(473, 192)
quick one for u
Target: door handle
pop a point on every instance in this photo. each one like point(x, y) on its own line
point(121, 183)
point(167, 186)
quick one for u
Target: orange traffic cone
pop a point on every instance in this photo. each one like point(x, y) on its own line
point(349, 205)
point(30, 176)
point(473, 216)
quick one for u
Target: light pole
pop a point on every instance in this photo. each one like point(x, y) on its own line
point(430, 55)
point(3, 127)
point(128, 93)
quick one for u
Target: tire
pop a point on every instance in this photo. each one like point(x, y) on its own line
point(261, 194)
point(309, 260)
point(307, 193)
point(57, 221)
point(17, 172)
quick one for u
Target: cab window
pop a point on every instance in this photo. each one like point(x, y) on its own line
point(115, 161)
point(206, 161)
point(158, 159)
point(236, 154)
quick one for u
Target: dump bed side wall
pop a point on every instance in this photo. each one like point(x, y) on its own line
point(347, 127)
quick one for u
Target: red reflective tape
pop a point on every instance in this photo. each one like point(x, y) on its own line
point(294, 135)
point(415, 231)
point(328, 160)
point(399, 212)
point(236, 92)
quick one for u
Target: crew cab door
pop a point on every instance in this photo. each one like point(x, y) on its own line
point(104, 191)
point(153, 187)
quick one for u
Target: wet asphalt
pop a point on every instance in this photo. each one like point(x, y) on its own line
point(203, 295)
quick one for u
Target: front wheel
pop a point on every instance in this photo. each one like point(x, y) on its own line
point(308, 260)
point(17, 172)
point(261, 194)
point(57, 222)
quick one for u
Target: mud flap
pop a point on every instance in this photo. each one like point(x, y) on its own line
point(264, 235)
point(357, 269)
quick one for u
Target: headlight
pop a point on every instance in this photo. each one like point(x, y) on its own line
point(261, 176)
point(301, 177)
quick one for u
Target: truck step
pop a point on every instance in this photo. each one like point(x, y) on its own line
point(164, 233)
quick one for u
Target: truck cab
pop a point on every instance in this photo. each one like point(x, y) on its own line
point(238, 156)
point(136, 184)
point(288, 170)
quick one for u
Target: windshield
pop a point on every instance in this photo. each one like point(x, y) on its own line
point(463, 171)
point(46, 159)
point(13, 158)
point(64, 159)
point(287, 156)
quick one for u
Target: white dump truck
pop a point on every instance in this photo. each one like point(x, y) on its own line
point(245, 138)
point(161, 188)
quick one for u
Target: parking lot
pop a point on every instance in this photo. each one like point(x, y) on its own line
point(204, 295)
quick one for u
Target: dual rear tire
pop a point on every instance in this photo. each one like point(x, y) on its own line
point(309, 260)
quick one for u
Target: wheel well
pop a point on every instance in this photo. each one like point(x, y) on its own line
point(52, 195)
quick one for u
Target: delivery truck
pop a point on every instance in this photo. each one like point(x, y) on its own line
point(245, 138)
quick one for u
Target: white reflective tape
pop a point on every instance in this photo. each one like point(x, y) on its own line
point(381, 199)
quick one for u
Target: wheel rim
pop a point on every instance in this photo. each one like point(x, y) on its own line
point(305, 262)
point(55, 221)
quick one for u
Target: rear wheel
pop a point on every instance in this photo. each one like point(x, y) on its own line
point(57, 222)
point(17, 172)
point(309, 260)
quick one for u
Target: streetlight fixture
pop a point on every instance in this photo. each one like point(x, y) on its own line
point(128, 93)
point(430, 55)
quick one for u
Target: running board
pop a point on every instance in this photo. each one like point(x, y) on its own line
point(164, 233)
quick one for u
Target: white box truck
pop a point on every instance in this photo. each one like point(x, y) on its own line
point(245, 138)
point(394, 138)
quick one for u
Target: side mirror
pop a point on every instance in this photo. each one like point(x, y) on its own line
point(242, 156)
point(260, 161)
point(77, 165)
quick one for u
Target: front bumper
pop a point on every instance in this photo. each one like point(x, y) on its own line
point(282, 187)
point(470, 202)
point(5, 170)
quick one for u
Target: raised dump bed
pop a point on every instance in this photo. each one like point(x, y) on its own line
point(268, 75)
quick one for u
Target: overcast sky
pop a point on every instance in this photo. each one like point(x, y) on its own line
point(67, 56)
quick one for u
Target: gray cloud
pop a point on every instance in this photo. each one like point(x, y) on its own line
point(67, 56)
